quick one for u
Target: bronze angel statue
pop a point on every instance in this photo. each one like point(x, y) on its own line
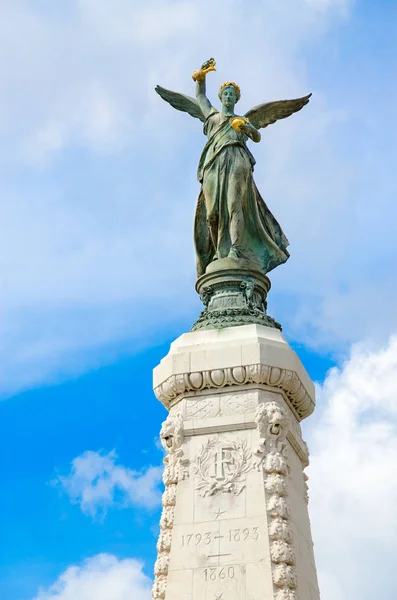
point(232, 220)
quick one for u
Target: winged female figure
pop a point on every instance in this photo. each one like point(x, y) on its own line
point(232, 220)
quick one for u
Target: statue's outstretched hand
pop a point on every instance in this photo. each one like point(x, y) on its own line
point(206, 67)
point(247, 128)
point(243, 124)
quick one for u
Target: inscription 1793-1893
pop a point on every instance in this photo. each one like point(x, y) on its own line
point(233, 535)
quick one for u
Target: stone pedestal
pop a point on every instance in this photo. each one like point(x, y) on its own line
point(235, 523)
point(233, 293)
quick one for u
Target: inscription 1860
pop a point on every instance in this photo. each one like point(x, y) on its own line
point(212, 574)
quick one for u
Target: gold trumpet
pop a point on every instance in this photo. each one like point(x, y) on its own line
point(206, 67)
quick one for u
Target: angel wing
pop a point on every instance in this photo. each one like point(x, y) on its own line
point(270, 112)
point(181, 102)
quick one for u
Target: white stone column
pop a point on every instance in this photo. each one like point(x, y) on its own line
point(235, 523)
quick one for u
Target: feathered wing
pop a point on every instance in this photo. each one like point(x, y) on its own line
point(181, 102)
point(270, 112)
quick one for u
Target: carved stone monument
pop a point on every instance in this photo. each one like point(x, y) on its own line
point(235, 522)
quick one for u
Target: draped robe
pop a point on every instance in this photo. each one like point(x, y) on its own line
point(231, 217)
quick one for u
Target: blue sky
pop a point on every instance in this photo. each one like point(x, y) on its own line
point(97, 271)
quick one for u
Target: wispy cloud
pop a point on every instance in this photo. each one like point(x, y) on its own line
point(102, 577)
point(96, 482)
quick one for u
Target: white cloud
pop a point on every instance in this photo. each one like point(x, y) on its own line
point(89, 74)
point(102, 577)
point(97, 483)
point(95, 242)
point(353, 484)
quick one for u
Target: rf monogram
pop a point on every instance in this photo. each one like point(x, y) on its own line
point(223, 463)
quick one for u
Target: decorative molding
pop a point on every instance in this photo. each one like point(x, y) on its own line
point(171, 436)
point(233, 317)
point(300, 448)
point(306, 488)
point(237, 403)
point(201, 408)
point(271, 456)
point(286, 594)
point(285, 575)
point(284, 379)
point(220, 466)
point(279, 529)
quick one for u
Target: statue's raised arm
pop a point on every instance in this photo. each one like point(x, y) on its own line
point(199, 108)
point(199, 77)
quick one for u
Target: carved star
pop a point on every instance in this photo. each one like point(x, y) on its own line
point(218, 513)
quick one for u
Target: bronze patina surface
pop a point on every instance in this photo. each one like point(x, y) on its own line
point(232, 220)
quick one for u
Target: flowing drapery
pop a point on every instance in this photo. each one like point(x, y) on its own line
point(231, 217)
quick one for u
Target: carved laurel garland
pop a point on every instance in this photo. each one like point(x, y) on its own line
point(306, 487)
point(240, 463)
point(176, 469)
point(284, 379)
point(272, 457)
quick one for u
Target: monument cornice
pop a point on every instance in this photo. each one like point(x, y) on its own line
point(179, 384)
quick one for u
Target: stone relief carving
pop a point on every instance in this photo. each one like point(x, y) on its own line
point(284, 379)
point(159, 587)
point(220, 466)
point(277, 506)
point(281, 552)
point(236, 403)
point(273, 462)
point(201, 408)
point(171, 433)
point(286, 594)
point(171, 436)
point(205, 295)
point(169, 496)
point(306, 488)
point(220, 405)
point(276, 484)
point(164, 541)
point(167, 517)
point(161, 565)
point(300, 448)
point(272, 424)
point(285, 575)
point(271, 456)
point(279, 529)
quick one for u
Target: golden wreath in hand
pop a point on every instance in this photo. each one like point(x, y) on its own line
point(206, 67)
point(238, 122)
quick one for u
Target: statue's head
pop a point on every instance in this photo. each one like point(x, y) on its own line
point(229, 93)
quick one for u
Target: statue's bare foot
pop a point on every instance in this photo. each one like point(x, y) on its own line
point(232, 253)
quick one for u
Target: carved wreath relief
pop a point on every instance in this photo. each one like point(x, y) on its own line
point(271, 456)
point(220, 466)
point(176, 469)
